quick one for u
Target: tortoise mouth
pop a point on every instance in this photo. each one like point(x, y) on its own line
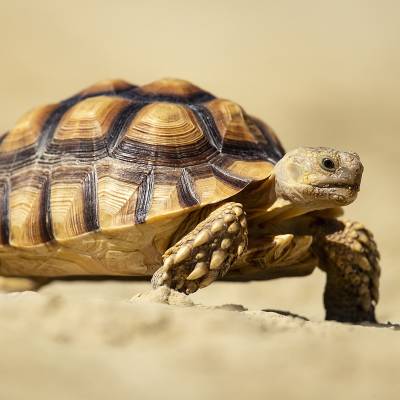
point(352, 187)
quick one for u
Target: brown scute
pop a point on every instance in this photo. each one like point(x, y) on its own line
point(162, 133)
point(73, 201)
point(268, 133)
point(243, 149)
point(28, 208)
point(82, 131)
point(89, 119)
point(119, 186)
point(117, 203)
point(115, 155)
point(231, 122)
point(112, 86)
point(27, 130)
point(120, 125)
point(210, 187)
point(171, 87)
point(164, 124)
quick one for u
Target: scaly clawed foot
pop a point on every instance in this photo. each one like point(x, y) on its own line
point(207, 252)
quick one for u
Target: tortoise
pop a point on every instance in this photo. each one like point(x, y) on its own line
point(168, 181)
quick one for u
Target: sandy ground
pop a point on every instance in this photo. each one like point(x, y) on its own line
point(321, 73)
point(94, 341)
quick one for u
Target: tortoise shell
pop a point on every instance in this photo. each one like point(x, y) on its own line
point(117, 155)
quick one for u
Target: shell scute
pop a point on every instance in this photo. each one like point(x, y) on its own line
point(231, 122)
point(116, 154)
point(172, 87)
point(164, 124)
point(25, 133)
point(28, 206)
point(89, 119)
point(113, 86)
point(73, 201)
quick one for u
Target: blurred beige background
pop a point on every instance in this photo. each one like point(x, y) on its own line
point(320, 73)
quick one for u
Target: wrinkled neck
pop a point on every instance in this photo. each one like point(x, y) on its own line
point(269, 202)
point(284, 209)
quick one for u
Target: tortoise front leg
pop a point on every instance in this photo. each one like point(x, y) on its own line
point(207, 252)
point(350, 258)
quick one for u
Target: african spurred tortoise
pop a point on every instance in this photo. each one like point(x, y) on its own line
point(166, 180)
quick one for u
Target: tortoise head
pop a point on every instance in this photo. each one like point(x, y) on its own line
point(319, 177)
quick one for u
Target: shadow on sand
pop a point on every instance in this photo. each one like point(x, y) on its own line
point(388, 325)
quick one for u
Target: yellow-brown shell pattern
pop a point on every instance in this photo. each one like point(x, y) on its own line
point(116, 154)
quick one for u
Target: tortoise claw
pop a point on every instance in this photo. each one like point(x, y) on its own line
point(206, 253)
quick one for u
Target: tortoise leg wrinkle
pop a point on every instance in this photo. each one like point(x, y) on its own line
point(350, 258)
point(206, 253)
point(275, 251)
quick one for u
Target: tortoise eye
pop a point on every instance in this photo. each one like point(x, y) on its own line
point(328, 164)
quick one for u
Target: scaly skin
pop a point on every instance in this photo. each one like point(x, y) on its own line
point(345, 251)
point(206, 252)
point(274, 252)
point(349, 256)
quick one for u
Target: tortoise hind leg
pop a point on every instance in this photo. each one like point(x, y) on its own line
point(207, 252)
point(350, 258)
point(11, 284)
